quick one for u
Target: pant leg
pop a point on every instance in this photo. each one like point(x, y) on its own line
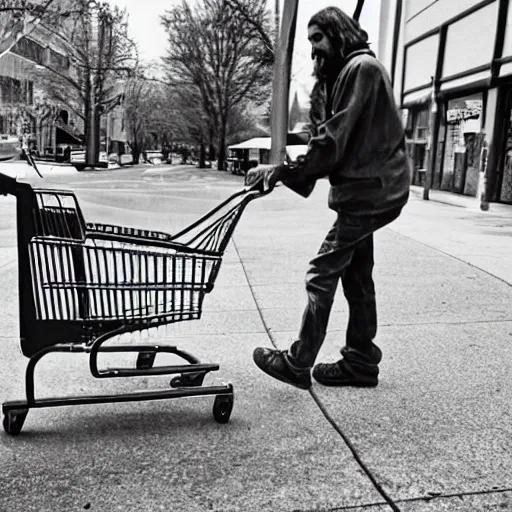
point(359, 290)
point(322, 279)
point(326, 269)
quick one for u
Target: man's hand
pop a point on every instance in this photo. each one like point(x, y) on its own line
point(268, 175)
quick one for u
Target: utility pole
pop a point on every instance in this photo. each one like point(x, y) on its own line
point(281, 82)
point(91, 156)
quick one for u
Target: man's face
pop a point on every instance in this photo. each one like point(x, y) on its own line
point(322, 51)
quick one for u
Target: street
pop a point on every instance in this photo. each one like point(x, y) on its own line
point(435, 434)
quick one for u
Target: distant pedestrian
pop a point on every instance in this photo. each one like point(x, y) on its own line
point(358, 143)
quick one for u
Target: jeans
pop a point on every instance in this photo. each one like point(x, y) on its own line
point(346, 254)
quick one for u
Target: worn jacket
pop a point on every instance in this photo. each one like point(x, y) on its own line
point(360, 147)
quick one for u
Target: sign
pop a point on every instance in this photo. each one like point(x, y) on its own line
point(471, 110)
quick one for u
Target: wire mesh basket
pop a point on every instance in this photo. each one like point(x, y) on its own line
point(100, 279)
point(94, 272)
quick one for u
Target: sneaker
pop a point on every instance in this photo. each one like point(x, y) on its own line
point(343, 373)
point(276, 363)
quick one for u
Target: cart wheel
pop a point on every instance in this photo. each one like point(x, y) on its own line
point(13, 421)
point(176, 382)
point(222, 408)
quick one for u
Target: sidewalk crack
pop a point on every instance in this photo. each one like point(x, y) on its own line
point(388, 500)
point(428, 498)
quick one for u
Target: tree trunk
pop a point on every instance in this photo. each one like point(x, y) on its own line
point(202, 156)
point(135, 149)
point(211, 151)
point(92, 138)
point(97, 130)
point(222, 147)
point(136, 154)
point(87, 112)
point(90, 141)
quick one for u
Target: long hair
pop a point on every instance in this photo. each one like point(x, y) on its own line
point(345, 33)
point(346, 36)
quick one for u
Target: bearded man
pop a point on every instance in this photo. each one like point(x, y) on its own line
point(358, 143)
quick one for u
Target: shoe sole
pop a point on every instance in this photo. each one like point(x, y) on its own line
point(340, 384)
point(280, 378)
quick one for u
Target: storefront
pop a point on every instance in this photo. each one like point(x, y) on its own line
point(460, 144)
point(453, 81)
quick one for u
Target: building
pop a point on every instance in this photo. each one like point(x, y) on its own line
point(44, 126)
point(44, 120)
point(451, 66)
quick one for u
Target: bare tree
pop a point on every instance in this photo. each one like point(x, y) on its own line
point(246, 8)
point(216, 50)
point(101, 56)
point(137, 107)
point(151, 115)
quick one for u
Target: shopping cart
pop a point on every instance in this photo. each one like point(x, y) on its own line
point(81, 284)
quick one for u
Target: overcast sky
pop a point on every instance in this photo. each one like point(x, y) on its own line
point(146, 29)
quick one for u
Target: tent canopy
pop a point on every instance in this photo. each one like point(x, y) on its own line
point(256, 143)
point(294, 139)
point(293, 150)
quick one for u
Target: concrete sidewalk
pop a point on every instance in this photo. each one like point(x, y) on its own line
point(438, 425)
point(435, 434)
point(462, 201)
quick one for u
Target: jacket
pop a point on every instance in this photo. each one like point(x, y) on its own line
point(360, 147)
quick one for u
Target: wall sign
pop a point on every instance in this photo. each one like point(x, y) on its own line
point(471, 110)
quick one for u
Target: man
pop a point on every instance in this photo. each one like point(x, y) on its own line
point(358, 143)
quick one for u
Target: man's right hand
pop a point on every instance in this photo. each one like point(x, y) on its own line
point(266, 175)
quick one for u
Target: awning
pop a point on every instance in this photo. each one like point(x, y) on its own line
point(256, 143)
point(293, 139)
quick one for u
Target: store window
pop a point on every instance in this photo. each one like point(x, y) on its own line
point(462, 143)
point(29, 49)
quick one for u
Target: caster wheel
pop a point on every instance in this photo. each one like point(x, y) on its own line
point(222, 408)
point(176, 382)
point(13, 421)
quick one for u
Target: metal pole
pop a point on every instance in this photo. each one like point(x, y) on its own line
point(429, 178)
point(481, 194)
point(281, 82)
point(358, 9)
